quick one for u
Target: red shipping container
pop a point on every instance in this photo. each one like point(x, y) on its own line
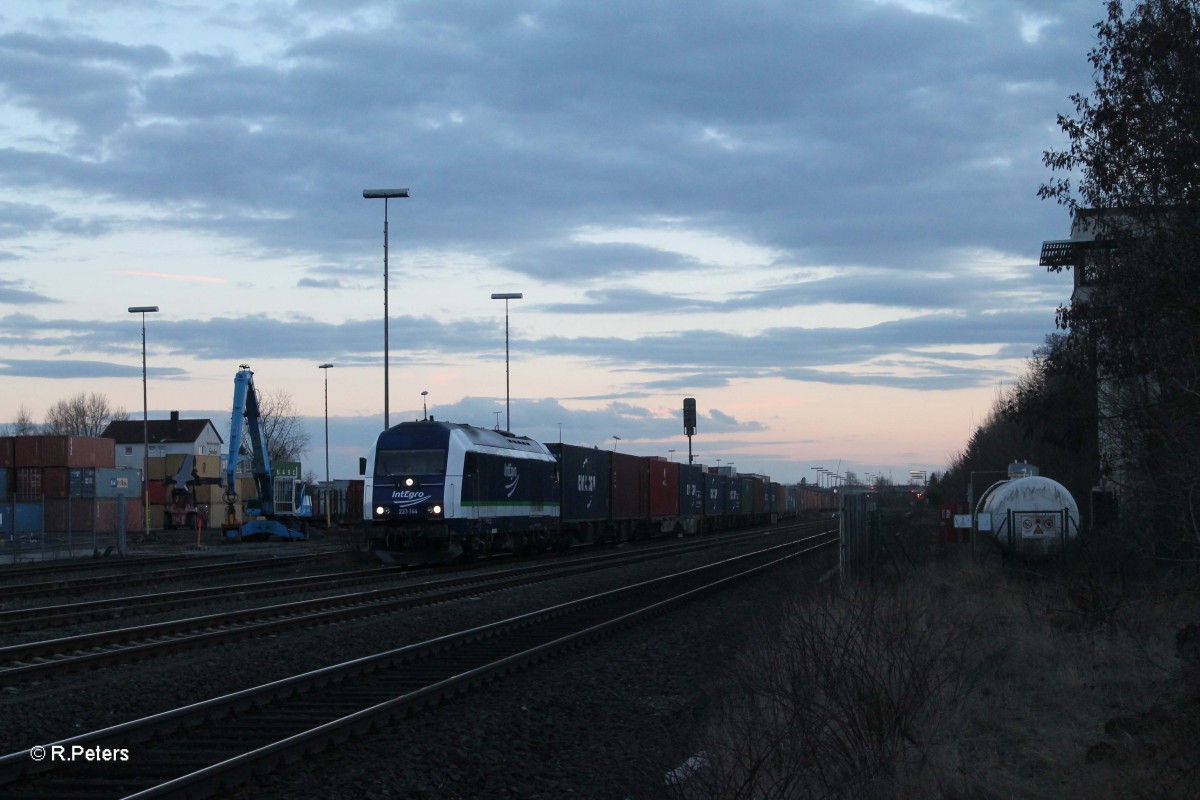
point(75, 516)
point(664, 488)
point(106, 515)
point(630, 489)
point(7, 452)
point(64, 451)
point(56, 482)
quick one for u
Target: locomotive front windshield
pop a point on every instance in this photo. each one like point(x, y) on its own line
point(398, 463)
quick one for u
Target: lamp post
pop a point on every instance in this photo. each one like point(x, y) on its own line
point(424, 407)
point(386, 194)
point(506, 296)
point(615, 440)
point(325, 368)
point(671, 454)
point(144, 310)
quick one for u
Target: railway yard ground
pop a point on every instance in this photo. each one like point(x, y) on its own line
point(945, 678)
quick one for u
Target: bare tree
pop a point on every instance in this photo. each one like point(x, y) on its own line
point(23, 425)
point(81, 415)
point(284, 431)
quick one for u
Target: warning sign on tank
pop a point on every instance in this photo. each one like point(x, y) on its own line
point(1034, 525)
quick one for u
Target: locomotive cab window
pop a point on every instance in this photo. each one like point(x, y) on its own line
point(410, 462)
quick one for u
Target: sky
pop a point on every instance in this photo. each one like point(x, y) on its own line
point(818, 219)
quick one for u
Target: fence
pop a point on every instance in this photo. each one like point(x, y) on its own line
point(859, 534)
point(43, 527)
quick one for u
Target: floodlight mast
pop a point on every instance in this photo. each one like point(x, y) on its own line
point(385, 194)
point(144, 310)
point(506, 296)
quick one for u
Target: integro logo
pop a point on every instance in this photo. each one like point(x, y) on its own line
point(406, 498)
point(511, 477)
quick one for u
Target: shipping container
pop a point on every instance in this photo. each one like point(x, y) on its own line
point(714, 494)
point(117, 481)
point(7, 460)
point(208, 466)
point(156, 469)
point(691, 490)
point(584, 482)
point(172, 463)
point(29, 482)
point(630, 489)
point(56, 482)
point(69, 515)
point(664, 489)
point(108, 511)
point(157, 491)
point(64, 451)
point(82, 481)
point(5, 486)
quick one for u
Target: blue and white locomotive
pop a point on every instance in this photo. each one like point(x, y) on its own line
point(443, 490)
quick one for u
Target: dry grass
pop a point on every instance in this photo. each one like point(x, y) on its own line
point(961, 681)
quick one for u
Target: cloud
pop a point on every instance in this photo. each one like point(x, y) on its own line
point(15, 293)
point(69, 369)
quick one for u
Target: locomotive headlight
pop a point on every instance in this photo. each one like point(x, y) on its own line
point(437, 510)
point(380, 511)
point(409, 482)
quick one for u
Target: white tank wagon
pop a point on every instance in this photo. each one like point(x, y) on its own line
point(1030, 516)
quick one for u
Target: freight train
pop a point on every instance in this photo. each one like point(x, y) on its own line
point(441, 491)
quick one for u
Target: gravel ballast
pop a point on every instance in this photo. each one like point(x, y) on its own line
point(605, 721)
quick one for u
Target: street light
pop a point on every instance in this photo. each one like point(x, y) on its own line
point(326, 368)
point(615, 440)
point(424, 407)
point(386, 194)
point(144, 310)
point(671, 454)
point(506, 296)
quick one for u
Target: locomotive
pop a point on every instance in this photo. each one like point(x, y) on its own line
point(443, 491)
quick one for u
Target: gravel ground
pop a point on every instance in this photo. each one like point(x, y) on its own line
point(599, 723)
point(606, 722)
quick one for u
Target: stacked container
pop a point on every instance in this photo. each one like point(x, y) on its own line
point(54, 479)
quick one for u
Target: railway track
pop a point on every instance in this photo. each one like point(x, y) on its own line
point(197, 749)
point(40, 617)
point(40, 659)
point(18, 591)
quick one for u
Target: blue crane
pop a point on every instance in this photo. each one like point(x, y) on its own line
point(261, 517)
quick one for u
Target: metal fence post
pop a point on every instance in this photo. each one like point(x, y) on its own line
point(121, 525)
